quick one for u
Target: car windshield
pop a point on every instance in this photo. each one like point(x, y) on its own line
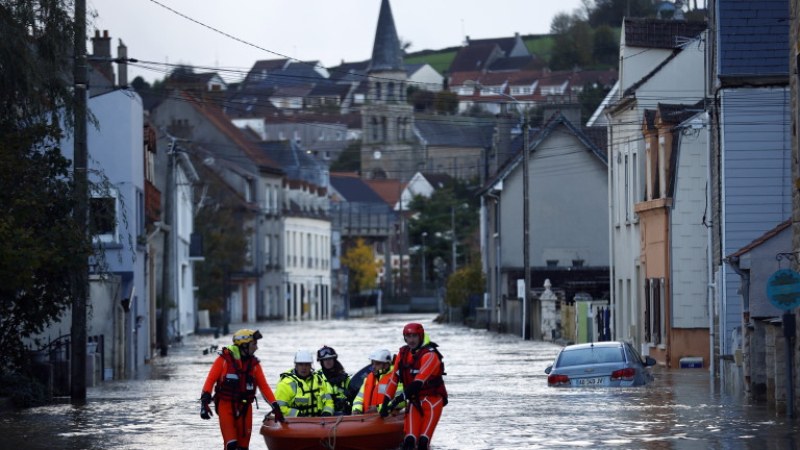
point(590, 355)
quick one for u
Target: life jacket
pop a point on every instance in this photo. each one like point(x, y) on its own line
point(409, 367)
point(337, 385)
point(374, 391)
point(237, 383)
point(310, 394)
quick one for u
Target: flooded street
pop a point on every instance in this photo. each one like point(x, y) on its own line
point(499, 399)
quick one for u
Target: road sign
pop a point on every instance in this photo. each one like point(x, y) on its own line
point(783, 289)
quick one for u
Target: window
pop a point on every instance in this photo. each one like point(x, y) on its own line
point(374, 123)
point(590, 355)
point(654, 313)
point(627, 188)
point(103, 216)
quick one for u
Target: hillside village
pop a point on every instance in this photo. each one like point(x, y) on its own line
point(654, 217)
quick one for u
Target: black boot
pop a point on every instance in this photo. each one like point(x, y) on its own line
point(409, 443)
point(423, 443)
point(232, 445)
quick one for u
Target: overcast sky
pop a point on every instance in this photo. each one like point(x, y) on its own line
point(328, 31)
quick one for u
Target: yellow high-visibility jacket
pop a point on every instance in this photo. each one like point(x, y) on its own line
point(299, 397)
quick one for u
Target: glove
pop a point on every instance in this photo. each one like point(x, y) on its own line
point(412, 389)
point(396, 401)
point(385, 409)
point(277, 411)
point(205, 410)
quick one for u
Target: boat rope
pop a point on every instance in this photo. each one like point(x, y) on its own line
point(330, 443)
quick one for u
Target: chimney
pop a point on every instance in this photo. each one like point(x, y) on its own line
point(101, 48)
point(122, 68)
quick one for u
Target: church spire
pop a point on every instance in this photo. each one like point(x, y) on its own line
point(386, 52)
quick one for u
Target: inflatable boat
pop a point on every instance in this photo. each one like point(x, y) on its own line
point(356, 432)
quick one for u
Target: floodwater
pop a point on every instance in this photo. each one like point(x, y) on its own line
point(499, 399)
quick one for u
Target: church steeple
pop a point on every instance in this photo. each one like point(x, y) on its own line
point(386, 52)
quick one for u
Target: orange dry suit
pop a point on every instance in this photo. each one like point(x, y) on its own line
point(234, 379)
point(423, 364)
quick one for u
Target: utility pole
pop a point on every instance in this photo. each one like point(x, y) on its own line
point(526, 227)
point(170, 230)
point(80, 290)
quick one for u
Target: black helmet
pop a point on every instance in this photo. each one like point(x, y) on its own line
point(326, 353)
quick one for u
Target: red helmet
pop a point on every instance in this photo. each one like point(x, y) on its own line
point(413, 328)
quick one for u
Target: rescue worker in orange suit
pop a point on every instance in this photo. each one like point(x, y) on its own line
point(420, 369)
point(370, 396)
point(234, 376)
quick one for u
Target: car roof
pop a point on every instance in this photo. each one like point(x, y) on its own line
point(593, 344)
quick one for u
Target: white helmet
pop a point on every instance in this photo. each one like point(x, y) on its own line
point(381, 355)
point(303, 357)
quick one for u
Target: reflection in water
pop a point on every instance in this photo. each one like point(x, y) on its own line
point(499, 399)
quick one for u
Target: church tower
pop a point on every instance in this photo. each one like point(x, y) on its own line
point(387, 149)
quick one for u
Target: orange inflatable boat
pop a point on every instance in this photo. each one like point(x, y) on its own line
point(357, 432)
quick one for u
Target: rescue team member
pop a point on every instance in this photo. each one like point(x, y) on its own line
point(338, 380)
point(234, 375)
point(370, 396)
point(419, 367)
point(301, 392)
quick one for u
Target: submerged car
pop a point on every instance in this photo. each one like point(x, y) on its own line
point(599, 364)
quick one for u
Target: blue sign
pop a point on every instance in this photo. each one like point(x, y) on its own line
point(783, 289)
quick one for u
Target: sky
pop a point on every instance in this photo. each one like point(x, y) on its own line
point(328, 31)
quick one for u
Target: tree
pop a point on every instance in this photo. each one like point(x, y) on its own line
point(464, 282)
point(446, 102)
point(606, 46)
point(573, 47)
point(422, 99)
point(611, 12)
point(590, 98)
point(42, 247)
point(450, 209)
point(349, 160)
point(363, 269)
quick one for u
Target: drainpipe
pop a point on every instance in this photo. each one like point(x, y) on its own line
point(712, 286)
point(733, 262)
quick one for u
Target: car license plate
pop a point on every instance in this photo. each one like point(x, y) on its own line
point(594, 381)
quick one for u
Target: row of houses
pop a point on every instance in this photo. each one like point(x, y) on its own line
point(688, 204)
point(156, 170)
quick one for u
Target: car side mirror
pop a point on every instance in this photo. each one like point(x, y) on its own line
point(548, 369)
point(649, 361)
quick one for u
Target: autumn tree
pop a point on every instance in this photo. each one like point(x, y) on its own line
point(464, 282)
point(363, 269)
